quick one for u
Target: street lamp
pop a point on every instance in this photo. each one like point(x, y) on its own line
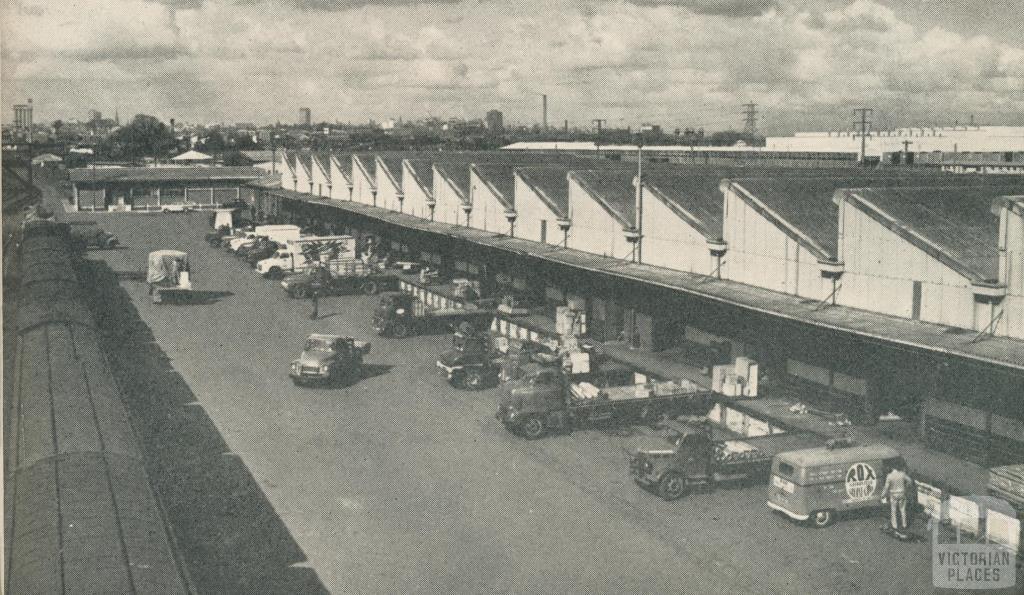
point(511, 216)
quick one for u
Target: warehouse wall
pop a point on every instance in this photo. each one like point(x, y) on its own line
point(1011, 244)
point(536, 221)
point(287, 168)
point(321, 181)
point(671, 242)
point(363, 185)
point(880, 263)
point(387, 190)
point(763, 255)
point(488, 212)
point(449, 201)
point(303, 177)
point(340, 185)
point(593, 229)
point(415, 197)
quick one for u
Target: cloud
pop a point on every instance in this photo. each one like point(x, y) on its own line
point(677, 63)
point(729, 8)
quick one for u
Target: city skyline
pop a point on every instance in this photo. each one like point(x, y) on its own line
point(689, 63)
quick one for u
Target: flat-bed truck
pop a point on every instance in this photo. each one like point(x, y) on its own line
point(698, 460)
point(339, 279)
point(401, 315)
point(548, 400)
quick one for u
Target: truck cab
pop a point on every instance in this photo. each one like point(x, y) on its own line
point(327, 358)
point(394, 314)
point(470, 363)
point(282, 261)
point(534, 403)
point(671, 472)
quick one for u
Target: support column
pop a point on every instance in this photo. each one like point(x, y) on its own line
point(157, 196)
point(74, 196)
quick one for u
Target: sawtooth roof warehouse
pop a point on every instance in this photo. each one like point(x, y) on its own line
point(897, 289)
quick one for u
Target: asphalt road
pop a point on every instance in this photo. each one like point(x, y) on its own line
point(401, 484)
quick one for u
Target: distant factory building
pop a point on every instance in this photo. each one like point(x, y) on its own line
point(951, 139)
point(157, 188)
point(495, 122)
point(23, 115)
point(305, 116)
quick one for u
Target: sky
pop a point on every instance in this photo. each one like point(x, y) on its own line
point(678, 63)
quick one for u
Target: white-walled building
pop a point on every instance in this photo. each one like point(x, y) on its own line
point(341, 176)
point(952, 255)
point(542, 204)
point(682, 221)
point(418, 188)
point(304, 173)
point(950, 139)
point(492, 194)
point(286, 169)
point(451, 191)
point(322, 175)
point(364, 179)
point(390, 195)
point(602, 211)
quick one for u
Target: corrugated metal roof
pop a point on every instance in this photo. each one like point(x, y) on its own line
point(957, 223)
point(424, 171)
point(501, 179)
point(806, 203)
point(613, 189)
point(163, 174)
point(551, 186)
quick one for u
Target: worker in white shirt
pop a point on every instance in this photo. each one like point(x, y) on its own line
point(897, 488)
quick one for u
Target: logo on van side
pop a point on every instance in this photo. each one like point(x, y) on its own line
point(861, 481)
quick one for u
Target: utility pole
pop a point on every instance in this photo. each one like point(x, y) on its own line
point(545, 101)
point(864, 123)
point(639, 207)
point(750, 119)
point(597, 143)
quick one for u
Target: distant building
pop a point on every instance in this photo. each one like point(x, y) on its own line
point(950, 139)
point(23, 115)
point(495, 121)
point(305, 116)
point(651, 128)
point(95, 115)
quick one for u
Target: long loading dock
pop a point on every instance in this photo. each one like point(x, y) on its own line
point(862, 363)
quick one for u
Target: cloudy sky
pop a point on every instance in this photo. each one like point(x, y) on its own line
point(807, 63)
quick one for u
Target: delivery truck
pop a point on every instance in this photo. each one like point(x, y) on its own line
point(343, 278)
point(548, 399)
point(169, 276)
point(401, 315)
point(298, 254)
point(472, 363)
point(697, 460)
point(278, 233)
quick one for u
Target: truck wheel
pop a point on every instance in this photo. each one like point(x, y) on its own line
point(822, 518)
point(672, 486)
point(369, 288)
point(532, 428)
point(275, 273)
point(300, 292)
point(399, 330)
point(474, 380)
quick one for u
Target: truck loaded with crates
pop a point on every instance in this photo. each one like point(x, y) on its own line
point(300, 253)
point(402, 314)
point(341, 278)
point(697, 460)
point(548, 399)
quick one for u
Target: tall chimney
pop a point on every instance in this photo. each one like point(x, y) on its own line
point(545, 111)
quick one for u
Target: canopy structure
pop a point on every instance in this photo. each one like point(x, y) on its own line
point(192, 156)
point(166, 266)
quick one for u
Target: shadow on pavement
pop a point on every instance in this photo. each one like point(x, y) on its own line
point(371, 370)
point(228, 534)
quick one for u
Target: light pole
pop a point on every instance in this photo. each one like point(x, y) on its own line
point(511, 216)
point(564, 224)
